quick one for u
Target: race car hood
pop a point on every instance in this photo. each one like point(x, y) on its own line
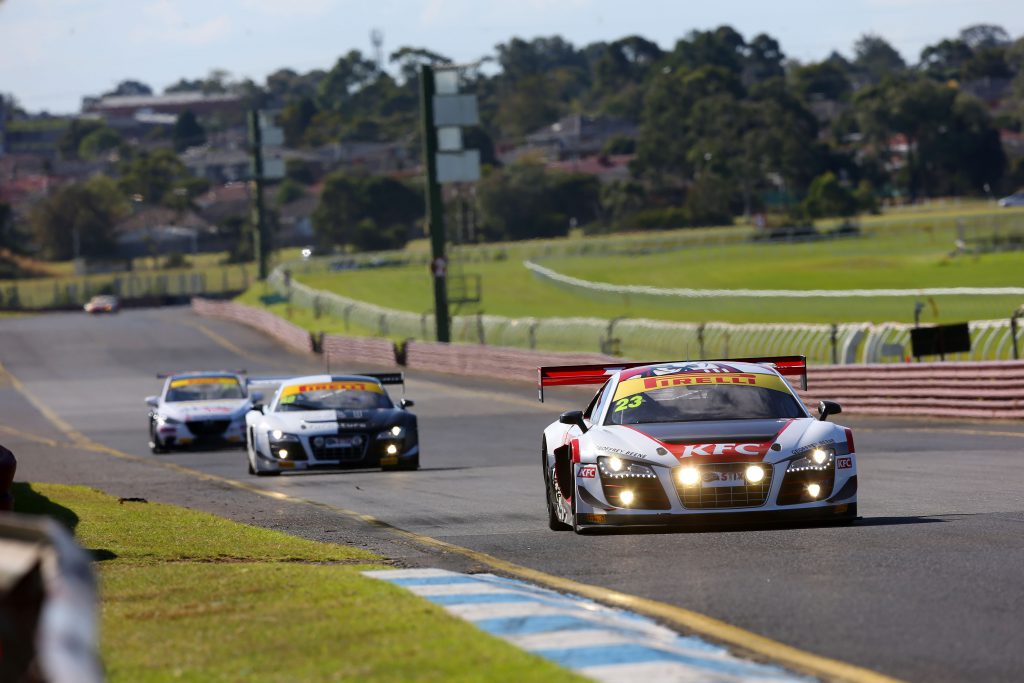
point(205, 410)
point(725, 440)
point(329, 421)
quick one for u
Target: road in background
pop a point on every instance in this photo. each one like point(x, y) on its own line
point(926, 587)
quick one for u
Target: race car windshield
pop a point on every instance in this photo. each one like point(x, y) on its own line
point(334, 399)
point(204, 389)
point(699, 403)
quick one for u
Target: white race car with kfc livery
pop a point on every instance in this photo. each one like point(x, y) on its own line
point(704, 441)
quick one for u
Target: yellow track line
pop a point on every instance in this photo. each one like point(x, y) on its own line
point(715, 629)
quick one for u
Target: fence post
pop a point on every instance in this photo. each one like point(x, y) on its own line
point(700, 341)
point(480, 328)
point(834, 337)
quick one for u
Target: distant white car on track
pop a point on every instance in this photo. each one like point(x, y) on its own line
point(1015, 199)
point(199, 409)
point(704, 441)
point(333, 421)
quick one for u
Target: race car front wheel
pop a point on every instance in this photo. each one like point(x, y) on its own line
point(551, 496)
point(154, 443)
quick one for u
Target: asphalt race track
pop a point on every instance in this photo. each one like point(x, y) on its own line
point(928, 586)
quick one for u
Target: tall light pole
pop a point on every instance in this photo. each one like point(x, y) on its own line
point(435, 209)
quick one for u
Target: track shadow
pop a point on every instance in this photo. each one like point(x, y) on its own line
point(30, 502)
point(364, 470)
point(735, 527)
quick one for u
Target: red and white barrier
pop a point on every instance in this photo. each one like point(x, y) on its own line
point(975, 390)
point(490, 361)
point(358, 350)
point(292, 336)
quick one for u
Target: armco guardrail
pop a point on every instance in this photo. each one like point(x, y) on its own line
point(285, 332)
point(969, 390)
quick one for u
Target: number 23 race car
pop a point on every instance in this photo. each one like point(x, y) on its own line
point(333, 421)
point(705, 441)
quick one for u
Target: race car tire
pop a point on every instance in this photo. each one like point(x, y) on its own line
point(268, 473)
point(154, 445)
point(554, 523)
point(252, 470)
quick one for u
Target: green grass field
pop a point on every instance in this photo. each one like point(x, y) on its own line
point(187, 596)
point(913, 251)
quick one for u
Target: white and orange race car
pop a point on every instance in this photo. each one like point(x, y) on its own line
point(705, 441)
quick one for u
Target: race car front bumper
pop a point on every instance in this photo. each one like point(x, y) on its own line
point(201, 434)
point(718, 496)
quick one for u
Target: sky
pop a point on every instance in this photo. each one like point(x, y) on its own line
point(54, 52)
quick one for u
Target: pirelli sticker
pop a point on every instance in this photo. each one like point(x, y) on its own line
point(641, 385)
point(191, 381)
point(331, 386)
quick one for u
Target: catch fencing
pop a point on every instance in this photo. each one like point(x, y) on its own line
point(966, 390)
point(843, 343)
point(74, 291)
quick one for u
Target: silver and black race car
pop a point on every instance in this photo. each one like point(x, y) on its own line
point(333, 421)
point(665, 443)
point(199, 409)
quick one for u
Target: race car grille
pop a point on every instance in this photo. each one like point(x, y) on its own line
point(201, 428)
point(347, 453)
point(705, 496)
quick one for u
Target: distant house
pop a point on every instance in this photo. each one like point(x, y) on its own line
point(218, 165)
point(295, 222)
point(223, 202)
point(159, 231)
point(575, 135)
point(607, 168)
point(129, 106)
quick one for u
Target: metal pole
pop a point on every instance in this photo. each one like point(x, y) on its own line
point(435, 209)
point(1013, 331)
point(259, 237)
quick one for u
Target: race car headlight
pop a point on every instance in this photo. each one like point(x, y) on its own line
point(614, 467)
point(278, 435)
point(164, 420)
point(817, 459)
point(395, 432)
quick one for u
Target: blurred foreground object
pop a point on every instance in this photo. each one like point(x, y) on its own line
point(47, 604)
point(8, 465)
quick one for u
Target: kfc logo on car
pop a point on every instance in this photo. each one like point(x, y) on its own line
point(844, 463)
point(588, 472)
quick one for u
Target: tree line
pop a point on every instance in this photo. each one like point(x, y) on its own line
point(727, 125)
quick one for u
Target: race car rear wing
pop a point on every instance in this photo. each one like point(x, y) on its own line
point(575, 375)
point(384, 377)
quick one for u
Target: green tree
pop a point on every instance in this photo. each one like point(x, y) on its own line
point(349, 201)
point(71, 141)
point(187, 132)
point(97, 142)
point(876, 58)
point(827, 197)
point(79, 219)
point(152, 177)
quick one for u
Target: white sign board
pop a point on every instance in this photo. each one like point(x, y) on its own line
point(455, 110)
point(458, 167)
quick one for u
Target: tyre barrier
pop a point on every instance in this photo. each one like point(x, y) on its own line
point(967, 390)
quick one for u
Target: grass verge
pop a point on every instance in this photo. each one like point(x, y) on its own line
point(187, 596)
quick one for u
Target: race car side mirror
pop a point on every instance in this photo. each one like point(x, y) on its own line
point(826, 408)
point(407, 403)
point(257, 397)
point(152, 401)
point(573, 417)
